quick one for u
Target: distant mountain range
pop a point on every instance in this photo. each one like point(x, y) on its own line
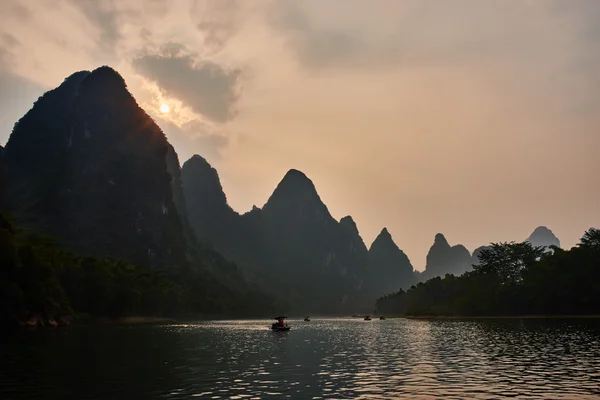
point(89, 167)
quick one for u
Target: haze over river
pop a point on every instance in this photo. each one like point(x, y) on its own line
point(324, 358)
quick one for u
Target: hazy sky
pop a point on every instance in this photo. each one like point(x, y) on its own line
point(477, 119)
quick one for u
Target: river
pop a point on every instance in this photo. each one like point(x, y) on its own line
point(324, 358)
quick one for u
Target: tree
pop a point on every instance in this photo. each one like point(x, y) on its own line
point(591, 239)
point(508, 261)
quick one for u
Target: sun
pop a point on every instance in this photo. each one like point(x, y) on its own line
point(164, 108)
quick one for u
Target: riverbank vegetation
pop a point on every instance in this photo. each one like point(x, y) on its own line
point(511, 279)
point(42, 283)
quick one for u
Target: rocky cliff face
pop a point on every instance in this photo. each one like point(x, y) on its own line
point(292, 244)
point(210, 216)
point(2, 180)
point(87, 165)
point(444, 259)
point(389, 268)
point(307, 246)
point(542, 236)
point(357, 245)
point(174, 170)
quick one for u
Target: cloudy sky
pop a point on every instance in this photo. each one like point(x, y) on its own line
point(477, 119)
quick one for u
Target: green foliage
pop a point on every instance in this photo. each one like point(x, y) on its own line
point(40, 280)
point(591, 239)
point(508, 261)
point(511, 279)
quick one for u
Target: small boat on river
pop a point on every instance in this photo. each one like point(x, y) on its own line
point(280, 325)
point(368, 318)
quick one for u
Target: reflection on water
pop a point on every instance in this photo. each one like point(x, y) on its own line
point(327, 358)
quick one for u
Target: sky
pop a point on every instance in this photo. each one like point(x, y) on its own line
point(476, 119)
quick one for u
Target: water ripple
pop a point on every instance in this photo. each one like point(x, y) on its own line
point(322, 359)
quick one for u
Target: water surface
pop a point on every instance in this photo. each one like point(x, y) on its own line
point(324, 358)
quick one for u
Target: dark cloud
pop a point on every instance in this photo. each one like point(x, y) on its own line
point(104, 15)
point(208, 88)
point(424, 33)
point(317, 47)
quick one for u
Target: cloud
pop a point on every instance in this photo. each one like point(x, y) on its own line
point(207, 87)
point(104, 16)
point(8, 44)
point(355, 35)
point(315, 46)
point(196, 137)
point(217, 21)
point(15, 9)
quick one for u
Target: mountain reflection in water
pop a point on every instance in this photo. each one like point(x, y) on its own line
point(326, 358)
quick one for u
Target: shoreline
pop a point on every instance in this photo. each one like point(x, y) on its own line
point(133, 320)
point(143, 320)
point(591, 316)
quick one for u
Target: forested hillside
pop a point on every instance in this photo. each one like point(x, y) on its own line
point(511, 279)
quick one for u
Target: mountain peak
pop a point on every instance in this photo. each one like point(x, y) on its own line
point(106, 84)
point(440, 239)
point(296, 177)
point(390, 268)
point(197, 161)
point(197, 172)
point(296, 187)
point(89, 147)
point(208, 212)
point(444, 259)
point(384, 237)
point(542, 230)
point(348, 223)
point(75, 78)
point(107, 74)
point(542, 236)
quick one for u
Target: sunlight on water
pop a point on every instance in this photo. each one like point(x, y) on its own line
point(324, 358)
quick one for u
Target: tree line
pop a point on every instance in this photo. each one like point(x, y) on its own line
point(511, 279)
point(42, 283)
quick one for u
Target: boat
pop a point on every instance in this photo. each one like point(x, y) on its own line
point(307, 319)
point(280, 325)
point(368, 318)
point(381, 317)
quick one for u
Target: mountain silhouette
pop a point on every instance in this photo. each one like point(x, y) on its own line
point(444, 259)
point(292, 246)
point(208, 212)
point(87, 165)
point(389, 268)
point(542, 236)
point(2, 180)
